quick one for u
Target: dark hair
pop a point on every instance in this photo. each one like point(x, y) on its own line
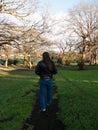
point(47, 60)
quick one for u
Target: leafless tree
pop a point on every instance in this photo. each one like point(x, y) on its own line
point(27, 37)
point(84, 23)
point(7, 50)
point(19, 10)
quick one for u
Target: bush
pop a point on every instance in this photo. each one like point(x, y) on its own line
point(15, 61)
point(2, 62)
point(10, 61)
point(20, 61)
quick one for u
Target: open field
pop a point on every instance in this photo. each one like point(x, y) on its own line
point(77, 92)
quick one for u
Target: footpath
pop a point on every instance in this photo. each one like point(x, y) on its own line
point(44, 121)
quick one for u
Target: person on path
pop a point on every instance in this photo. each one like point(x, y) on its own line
point(45, 69)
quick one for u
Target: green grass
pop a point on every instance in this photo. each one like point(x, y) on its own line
point(14, 102)
point(78, 92)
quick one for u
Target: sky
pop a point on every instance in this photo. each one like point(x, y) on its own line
point(58, 6)
point(62, 5)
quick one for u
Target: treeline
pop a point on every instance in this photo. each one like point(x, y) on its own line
point(78, 33)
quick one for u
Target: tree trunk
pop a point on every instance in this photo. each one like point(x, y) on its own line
point(6, 62)
point(81, 62)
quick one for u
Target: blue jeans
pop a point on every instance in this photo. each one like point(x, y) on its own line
point(45, 92)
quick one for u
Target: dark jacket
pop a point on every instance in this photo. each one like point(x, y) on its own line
point(42, 70)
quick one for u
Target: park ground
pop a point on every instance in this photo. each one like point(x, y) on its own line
point(75, 100)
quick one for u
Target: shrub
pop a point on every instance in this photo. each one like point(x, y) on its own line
point(2, 62)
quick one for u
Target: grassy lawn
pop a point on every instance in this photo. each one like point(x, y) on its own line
point(77, 91)
point(17, 97)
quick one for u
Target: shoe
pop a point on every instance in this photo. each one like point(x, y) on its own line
point(43, 110)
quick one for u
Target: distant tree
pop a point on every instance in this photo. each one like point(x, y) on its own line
point(7, 50)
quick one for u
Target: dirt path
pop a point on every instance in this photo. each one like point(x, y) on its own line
point(44, 121)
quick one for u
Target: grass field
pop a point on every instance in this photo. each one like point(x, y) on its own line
point(17, 96)
point(77, 91)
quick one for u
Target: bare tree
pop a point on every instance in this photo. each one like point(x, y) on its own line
point(84, 23)
point(27, 37)
point(29, 42)
point(25, 10)
point(7, 50)
point(19, 10)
